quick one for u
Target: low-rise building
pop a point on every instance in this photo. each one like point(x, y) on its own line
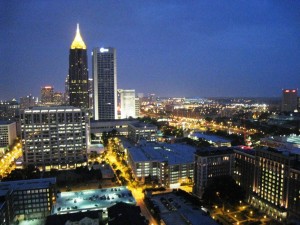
point(170, 164)
point(288, 142)
point(212, 139)
point(142, 131)
point(98, 127)
point(26, 199)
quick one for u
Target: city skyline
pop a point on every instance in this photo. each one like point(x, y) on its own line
point(172, 48)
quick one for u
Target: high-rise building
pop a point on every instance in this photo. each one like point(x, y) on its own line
point(54, 137)
point(105, 83)
point(137, 107)
point(78, 73)
point(58, 98)
point(67, 94)
point(47, 95)
point(8, 134)
point(27, 101)
point(289, 100)
point(210, 163)
point(127, 103)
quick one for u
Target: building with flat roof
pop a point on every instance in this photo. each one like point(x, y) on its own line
point(90, 200)
point(120, 126)
point(142, 131)
point(8, 134)
point(287, 142)
point(54, 137)
point(127, 103)
point(212, 139)
point(289, 102)
point(244, 168)
point(47, 95)
point(27, 198)
point(170, 164)
point(211, 162)
point(123, 213)
point(105, 83)
point(271, 190)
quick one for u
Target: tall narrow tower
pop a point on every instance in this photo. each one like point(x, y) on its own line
point(78, 73)
point(105, 83)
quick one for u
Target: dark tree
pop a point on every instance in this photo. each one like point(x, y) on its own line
point(223, 189)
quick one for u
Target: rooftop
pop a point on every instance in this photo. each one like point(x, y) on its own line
point(4, 122)
point(211, 151)
point(173, 153)
point(69, 202)
point(143, 125)
point(209, 137)
point(176, 210)
point(26, 184)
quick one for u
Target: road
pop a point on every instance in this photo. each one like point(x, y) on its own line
point(7, 162)
point(137, 191)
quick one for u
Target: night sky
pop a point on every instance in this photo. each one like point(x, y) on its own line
point(224, 48)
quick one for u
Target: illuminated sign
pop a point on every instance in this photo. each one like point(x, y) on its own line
point(102, 50)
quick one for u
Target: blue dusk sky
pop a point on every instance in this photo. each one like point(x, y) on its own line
point(218, 48)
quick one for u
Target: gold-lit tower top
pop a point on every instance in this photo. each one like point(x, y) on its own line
point(78, 43)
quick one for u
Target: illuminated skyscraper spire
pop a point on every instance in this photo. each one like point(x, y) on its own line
point(78, 73)
point(78, 43)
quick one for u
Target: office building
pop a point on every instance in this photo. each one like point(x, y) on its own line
point(137, 107)
point(142, 131)
point(215, 140)
point(209, 163)
point(26, 199)
point(271, 183)
point(58, 98)
point(105, 83)
point(78, 73)
point(67, 94)
point(91, 97)
point(47, 95)
point(127, 103)
point(9, 110)
point(54, 137)
point(98, 127)
point(169, 164)
point(244, 168)
point(287, 142)
point(28, 101)
point(289, 101)
point(8, 134)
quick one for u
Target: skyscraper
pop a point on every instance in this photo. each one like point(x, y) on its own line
point(47, 95)
point(78, 73)
point(289, 100)
point(105, 83)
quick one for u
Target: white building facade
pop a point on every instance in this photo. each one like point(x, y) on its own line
point(54, 137)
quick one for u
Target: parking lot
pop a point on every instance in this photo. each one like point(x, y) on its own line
point(91, 199)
